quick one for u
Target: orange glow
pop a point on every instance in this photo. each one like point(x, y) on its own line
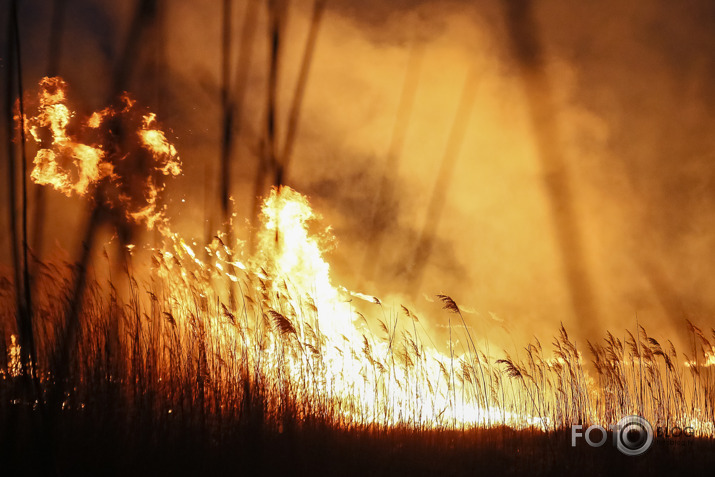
point(14, 364)
point(334, 354)
point(155, 140)
point(68, 166)
point(78, 162)
point(302, 335)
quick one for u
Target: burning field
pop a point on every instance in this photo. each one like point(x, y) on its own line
point(244, 253)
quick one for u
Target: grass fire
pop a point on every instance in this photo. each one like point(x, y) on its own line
point(258, 269)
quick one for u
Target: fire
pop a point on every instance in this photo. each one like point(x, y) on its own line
point(285, 243)
point(709, 355)
point(286, 284)
point(155, 140)
point(80, 156)
point(14, 364)
point(67, 165)
point(276, 319)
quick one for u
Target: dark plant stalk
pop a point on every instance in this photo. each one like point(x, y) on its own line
point(28, 339)
point(70, 326)
point(53, 66)
point(12, 172)
point(640, 368)
point(276, 14)
point(528, 51)
point(298, 95)
point(384, 193)
point(243, 65)
point(268, 158)
point(24, 312)
point(19, 243)
point(444, 177)
point(144, 15)
point(451, 368)
point(233, 102)
point(227, 108)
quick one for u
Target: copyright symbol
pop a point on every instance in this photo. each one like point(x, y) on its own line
point(634, 435)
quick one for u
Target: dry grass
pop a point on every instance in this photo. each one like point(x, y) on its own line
point(173, 347)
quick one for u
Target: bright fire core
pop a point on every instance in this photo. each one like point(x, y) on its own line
point(274, 323)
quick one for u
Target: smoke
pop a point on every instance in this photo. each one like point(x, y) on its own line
point(629, 102)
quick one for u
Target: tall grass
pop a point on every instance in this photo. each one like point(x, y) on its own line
point(171, 347)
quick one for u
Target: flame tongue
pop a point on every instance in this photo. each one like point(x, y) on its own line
point(67, 165)
point(119, 147)
point(285, 241)
point(122, 157)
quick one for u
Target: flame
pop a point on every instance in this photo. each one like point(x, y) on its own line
point(80, 156)
point(155, 140)
point(285, 241)
point(288, 276)
point(287, 325)
point(287, 282)
point(65, 164)
point(14, 363)
point(709, 359)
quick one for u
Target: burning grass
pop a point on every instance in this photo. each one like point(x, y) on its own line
point(178, 358)
point(231, 347)
point(188, 351)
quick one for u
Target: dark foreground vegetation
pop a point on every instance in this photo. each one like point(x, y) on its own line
point(157, 386)
point(107, 441)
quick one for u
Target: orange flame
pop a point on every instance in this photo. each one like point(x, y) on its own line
point(305, 330)
point(287, 282)
point(65, 164)
point(79, 156)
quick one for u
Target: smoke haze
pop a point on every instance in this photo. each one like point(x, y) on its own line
point(580, 192)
